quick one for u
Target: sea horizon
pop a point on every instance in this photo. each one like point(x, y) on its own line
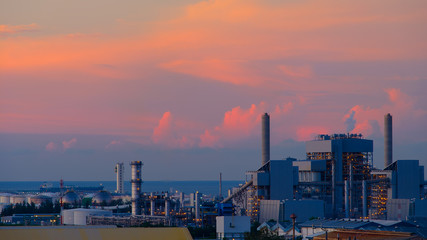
point(209, 187)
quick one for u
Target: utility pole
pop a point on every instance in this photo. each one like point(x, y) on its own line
point(293, 217)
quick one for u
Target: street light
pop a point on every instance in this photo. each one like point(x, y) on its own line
point(293, 217)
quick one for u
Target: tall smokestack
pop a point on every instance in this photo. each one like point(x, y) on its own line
point(136, 187)
point(265, 138)
point(388, 140)
point(220, 186)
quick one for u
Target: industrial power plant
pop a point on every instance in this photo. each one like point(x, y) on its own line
point(335, 182)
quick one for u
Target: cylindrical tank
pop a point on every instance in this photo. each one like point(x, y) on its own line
point(265, 138)
point(5, 198)
point(136, 186)
point(39, 199)
point(388, 140)
point(68, 217)
point(18, 199)
point(80, 215)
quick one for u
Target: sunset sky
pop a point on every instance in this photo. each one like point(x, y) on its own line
point(181, 85)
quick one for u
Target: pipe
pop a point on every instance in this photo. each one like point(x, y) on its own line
point(333, 187)
point(197, 206)
point(350, 184)
point(220, 186)
point(152, 204)
point(346, 199)
point(365, 199)
point(167, 204)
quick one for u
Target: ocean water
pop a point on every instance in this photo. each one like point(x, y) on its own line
point(205, 187)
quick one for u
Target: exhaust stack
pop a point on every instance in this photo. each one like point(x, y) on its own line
point(388, 140)
point(265, 138)
point(136, 187)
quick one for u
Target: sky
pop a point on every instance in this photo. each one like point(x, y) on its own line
point(181, 85)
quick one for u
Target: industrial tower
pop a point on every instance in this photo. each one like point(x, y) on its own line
point(388, 140)
point(136, 187)
point(265, 128)
point(119, 169)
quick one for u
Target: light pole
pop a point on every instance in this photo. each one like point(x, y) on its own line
point(293, 217)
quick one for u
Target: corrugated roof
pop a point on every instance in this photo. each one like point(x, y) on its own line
point(48, 233)
point(325, 223)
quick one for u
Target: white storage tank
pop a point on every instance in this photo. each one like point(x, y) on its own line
point(18, 199)
point(68, 217)
point(78, 216)
point(39, 199)
point(5, 198)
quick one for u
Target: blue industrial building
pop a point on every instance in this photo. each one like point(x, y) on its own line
point(338, 171)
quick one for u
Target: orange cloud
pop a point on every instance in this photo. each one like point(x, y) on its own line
point(216, 69)
point(14, 29)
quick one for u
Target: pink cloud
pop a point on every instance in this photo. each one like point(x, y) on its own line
point(165, 134)
point(369, 121)
point(306, 133)
point(69, 144)
point(51, 146)
point(113, 143)
point(237, 124)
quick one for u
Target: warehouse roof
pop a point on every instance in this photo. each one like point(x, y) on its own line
point(93, 233)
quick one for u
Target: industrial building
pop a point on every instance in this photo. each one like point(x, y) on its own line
point(232, 227)
point(281, 210)
point(337, 171)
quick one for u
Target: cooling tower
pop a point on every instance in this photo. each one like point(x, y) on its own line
point(388, 140)
point(265, 138)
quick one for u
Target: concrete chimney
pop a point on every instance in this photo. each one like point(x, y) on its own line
point(388, 140)
point(265, 138)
